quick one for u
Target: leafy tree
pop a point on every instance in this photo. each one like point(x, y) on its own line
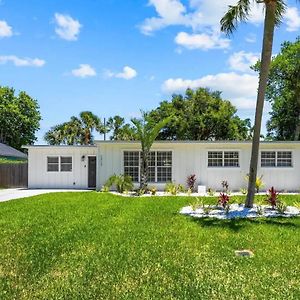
point(283, 92)
point(121, 131)
point(76, 131)
point(200, 115)
point(274, 10)
point(147, 132)
point(19, 118)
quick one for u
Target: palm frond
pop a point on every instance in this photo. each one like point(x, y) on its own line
point(236, 13)
point(280, 10)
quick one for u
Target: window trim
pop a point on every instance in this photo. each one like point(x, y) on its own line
point(276, 153)
point(59, 163)
point(152, 150)
point(223, 158)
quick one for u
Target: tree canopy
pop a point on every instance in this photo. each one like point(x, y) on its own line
point(77, 131)
point(19, 118)
point(200, 115)
point(283, 92)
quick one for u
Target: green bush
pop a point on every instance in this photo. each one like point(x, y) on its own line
point(121, 182)
point(174, 189)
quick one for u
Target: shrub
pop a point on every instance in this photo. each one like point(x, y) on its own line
point(191, 180)
point(223, 200)
point(225, 186)
point(121, 182)
point(173, 188)
point(105, 188)
point(153, 191)
point(260, 210)
point(211, 192)
point(272, 197)
point(281, 207)
point(243, 191)
point(258, 182)
point(195, 204)
point(140, 192)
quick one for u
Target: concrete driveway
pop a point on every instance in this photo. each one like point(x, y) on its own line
point(10, 194)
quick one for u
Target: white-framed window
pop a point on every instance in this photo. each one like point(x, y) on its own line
point(160, 165)
point(52, 163)
point(132, 164)
point(276, 159)
point(66, 163)
point(59, 163)
point(223, 159)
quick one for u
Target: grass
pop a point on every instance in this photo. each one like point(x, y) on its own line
point(101, 246)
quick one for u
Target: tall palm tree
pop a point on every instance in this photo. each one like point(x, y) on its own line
point(274, 10)
point(147, 132)
point(90, 122)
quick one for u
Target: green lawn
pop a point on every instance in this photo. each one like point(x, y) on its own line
point(100, 246)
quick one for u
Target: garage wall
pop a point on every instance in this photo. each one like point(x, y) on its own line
point(38, 177)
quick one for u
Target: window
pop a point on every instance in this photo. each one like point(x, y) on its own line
point(164, 166)
point(52, 163)
point(215, 159)
point(223, 159)
point(131, 164)
point(284, 159)
point(160, 165)
point(268, 159)
point(66, 164)
point(276, 159)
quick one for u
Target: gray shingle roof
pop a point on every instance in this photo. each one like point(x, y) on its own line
point(8, 151)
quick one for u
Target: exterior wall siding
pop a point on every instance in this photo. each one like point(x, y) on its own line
point(38, 177)
point(187, 158)
point(192, 158)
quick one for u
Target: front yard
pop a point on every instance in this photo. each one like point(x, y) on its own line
point(102, 246)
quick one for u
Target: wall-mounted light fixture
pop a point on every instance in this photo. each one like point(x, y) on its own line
point(82, 157)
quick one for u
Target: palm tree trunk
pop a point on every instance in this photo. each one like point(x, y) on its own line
point(263, 77)
point(144, 170)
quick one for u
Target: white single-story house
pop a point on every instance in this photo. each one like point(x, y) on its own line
point(212, 162)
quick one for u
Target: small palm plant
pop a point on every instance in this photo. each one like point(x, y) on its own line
point(147, 132)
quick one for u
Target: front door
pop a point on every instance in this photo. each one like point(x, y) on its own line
point(92, 172)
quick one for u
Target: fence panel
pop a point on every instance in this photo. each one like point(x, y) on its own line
point(14, 175)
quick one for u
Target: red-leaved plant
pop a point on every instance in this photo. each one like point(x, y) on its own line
point(272, 197)
point(191, 180)
point(223, 200)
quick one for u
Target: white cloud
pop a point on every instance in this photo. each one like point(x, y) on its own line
point(292, 17)
point(251, 38)
point(240, 89)
point(127, 73)
point(241, 61)
point(84, 71)
point(201, 41)
point(201, 14)
point(5, 29)
point(67, 28)
point(22, 62)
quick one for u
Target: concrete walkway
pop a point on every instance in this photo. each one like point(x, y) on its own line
point(10, 194)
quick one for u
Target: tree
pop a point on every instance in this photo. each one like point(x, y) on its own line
point(147, 132)
point(19, 118)
point(200, 115)
point(121, 131)
point(76, 131)
point(274, 10)
point(283, 92)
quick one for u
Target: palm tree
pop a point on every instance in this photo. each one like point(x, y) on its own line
point(274, 10)
point(90, 122)
point(147, 132)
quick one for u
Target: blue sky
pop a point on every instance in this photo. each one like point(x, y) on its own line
point(117, 57)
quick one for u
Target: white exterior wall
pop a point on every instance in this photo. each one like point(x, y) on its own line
point(191, 158)
point(38, 177)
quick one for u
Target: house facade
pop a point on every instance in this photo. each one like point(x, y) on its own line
point(212, 162)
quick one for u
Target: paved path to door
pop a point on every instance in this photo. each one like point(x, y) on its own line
point(10, 194)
